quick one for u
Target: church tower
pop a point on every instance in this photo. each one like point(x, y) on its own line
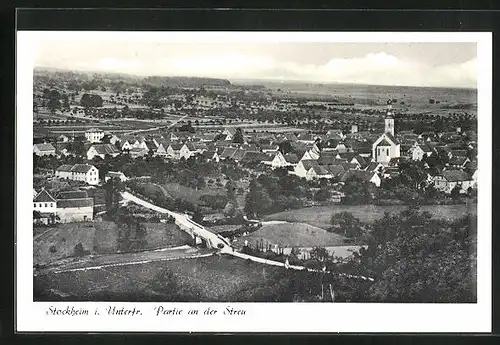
point(389, 120)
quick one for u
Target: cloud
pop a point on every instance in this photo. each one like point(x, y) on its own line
point(378, 67)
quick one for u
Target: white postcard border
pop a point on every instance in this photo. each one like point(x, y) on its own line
point(260, 317)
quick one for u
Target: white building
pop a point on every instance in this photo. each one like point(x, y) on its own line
point(94, 135)
point(101, 150)
point(79, 172)
point(43, 202)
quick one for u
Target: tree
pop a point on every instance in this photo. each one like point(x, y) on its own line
point(415, 258)
point(54, 101)
point(346, 224)
point(238, 136)
point(285, 147)
point(319, 253)
point(91, 101)
point(257, 201)
point(112, 189)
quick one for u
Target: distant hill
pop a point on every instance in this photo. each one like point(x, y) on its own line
point(186, 81)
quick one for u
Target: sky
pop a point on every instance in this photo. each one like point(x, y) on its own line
point(412, 64)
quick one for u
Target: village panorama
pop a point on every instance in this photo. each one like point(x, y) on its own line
point(209, 189)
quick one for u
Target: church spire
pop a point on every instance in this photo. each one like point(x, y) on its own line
point(389, 120)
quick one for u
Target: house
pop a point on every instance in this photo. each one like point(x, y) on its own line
point(303, 166)
point(330, 158)
point(306, 138)
point(238, 155)
point(44, 149)
point(151, 145)
point(366, 176)
point(101, 150)
point(229, 133)
point(72, 208)
point(447, 180)
point(115, 174)
point(291, 159)
point(421, 150)
point(270, 148)
point(127, 142)
point(362, 162)
point(374, 167)
point(64, 171)
point(255, 157)
point(317, 171)
point(335, 134)
point(162, 149)
point(280, 160)
point(79, 172)
point(43, 202)
point(63, 138)
point(457, 153)
point(211, 156)
point(228, 153)
point(173, 150)
point(94, 135)
point(458, 161)
point(136, 152)
point(114, 139)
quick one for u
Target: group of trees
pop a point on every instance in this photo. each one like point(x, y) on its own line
point(91, 101)
point(131, 232)
point(270, 193)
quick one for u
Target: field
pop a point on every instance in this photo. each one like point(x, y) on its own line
point(320, 215)
point(202, 279)
point(293, 235)
point(98, 238)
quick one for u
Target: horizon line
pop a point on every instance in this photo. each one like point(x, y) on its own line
point(231, 80)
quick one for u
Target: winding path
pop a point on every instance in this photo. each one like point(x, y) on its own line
point(214, 240)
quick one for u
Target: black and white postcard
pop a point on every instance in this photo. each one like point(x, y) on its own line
point(253, 181)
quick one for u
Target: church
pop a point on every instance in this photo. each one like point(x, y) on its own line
point(386, 147)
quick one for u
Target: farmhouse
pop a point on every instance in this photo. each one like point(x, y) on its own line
point(304, 166)
point(79, 172)
point(43, 202)
point(44, 149)
point(449, 179)
point(94, 135)
point(115, 174)
point(136, 152)
point(75, 206)
point(366, 176)
point(101, 150)
point(229, 133)
point(173, 150)
point(421, 151)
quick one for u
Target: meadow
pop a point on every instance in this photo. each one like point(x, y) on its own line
point(320, 215)
point(54, 243)
point(293, 235)
point(205, 279)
